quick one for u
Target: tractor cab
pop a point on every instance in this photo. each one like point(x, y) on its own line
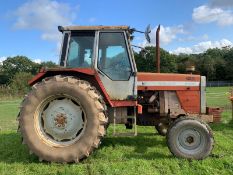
point(104, 49)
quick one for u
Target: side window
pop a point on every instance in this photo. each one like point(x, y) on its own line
point(113, 58)
point(73, 52)
point(80, 50)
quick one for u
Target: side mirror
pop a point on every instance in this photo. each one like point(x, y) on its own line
point(147, 32)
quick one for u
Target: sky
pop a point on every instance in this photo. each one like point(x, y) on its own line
point(29, 27)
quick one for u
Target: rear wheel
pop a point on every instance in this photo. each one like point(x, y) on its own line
point(190, 138)
point(162, 128)
point(62, 119)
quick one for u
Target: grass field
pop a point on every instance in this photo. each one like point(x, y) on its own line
point(146, 153)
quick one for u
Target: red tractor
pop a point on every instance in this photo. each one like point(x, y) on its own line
point(67, 112)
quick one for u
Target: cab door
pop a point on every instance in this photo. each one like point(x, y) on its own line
point(115, 65)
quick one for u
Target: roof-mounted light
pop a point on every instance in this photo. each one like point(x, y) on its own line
point(60, 29)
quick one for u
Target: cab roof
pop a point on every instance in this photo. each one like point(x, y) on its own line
point(70, 28)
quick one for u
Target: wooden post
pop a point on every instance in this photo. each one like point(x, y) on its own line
point(231, 98)
point(232, 107)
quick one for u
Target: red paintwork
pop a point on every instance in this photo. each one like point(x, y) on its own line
point(143, 76)
point(86, 71)
point(189, 96)
point(190, 101)
point(35, 78)
point(120, 103)
point(56, 71)
point(43, 71)
point(139, 109)
point(167, 88)
point(103, 89)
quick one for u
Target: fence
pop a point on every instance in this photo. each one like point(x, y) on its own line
point(219, 83)
point(219, 97)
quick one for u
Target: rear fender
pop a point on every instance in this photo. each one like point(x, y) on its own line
point(85, 74)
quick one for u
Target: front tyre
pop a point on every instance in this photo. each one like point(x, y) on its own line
point(190, 138)
point(62, 119)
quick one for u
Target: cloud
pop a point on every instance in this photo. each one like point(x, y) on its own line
point(2, 59)
point(45, 16)
point(207, 14)
point(194, 38)
point(221, 3)
point(37, 61)
point(202, 47)
point(167, 35)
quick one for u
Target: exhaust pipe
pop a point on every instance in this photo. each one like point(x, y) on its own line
point(157, 56)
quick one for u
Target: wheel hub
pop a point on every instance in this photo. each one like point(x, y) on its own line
point(189, 140)
point(62, 120)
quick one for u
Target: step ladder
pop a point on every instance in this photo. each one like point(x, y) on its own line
point(134, 117)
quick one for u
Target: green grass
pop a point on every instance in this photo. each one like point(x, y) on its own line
point(218, 96)
point(146, 153)
point(8, 113)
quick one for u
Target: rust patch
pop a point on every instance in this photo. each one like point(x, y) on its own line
point(60, 120)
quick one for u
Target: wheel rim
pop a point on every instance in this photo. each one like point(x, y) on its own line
point(191, 140)
point(60, 120)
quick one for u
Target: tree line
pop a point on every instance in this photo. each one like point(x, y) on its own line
point(216, 64)
point(15, 73)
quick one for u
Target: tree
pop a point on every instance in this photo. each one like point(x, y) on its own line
point(208, 67)
point(145, 63)
point(48, 64)
point(19, 83)
point(148, 64)
point(13, 65)
point(215, 63)
point(228, 58)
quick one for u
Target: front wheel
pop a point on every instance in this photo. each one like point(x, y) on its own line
point(190, 138)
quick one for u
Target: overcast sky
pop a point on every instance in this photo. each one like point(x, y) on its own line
point(29, 27)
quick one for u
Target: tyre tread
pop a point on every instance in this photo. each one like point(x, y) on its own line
point(95, 96)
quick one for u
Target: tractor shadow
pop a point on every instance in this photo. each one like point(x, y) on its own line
point(12, 151)
point(147, 146)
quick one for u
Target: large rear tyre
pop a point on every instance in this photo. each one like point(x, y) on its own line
point(190, 138)
point(62, 119)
